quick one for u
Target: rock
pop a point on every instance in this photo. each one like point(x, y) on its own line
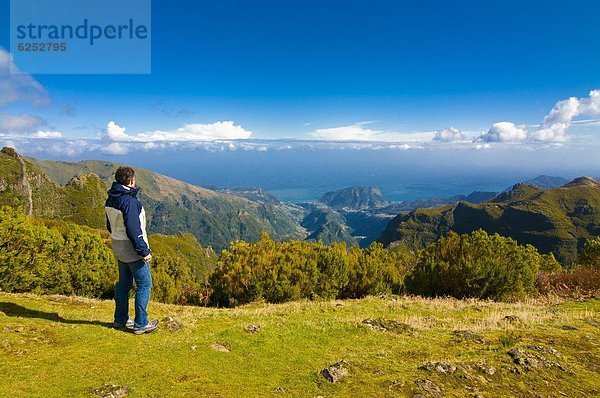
point(334, 372)
point(512, 319)
point(466, 335)
point(111, 391)
point(568, 327)
point(395, 383)
point(170, 324)
point(529, 360)
point(252, 328)
point(430, 387)
point(440, 367)
point(219, 347)
point(489, 370)
point(388, 325)
point(545, 350)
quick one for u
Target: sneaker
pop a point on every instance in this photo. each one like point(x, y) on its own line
point(128, 324)
point(151, 326)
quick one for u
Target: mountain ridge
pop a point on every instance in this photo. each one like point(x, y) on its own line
point(557, 220)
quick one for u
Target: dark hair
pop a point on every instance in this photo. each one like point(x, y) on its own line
point(124, 175)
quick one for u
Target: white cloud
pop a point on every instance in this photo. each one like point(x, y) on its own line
point(115, 148)
point(47, 134)
point(222, 130)
point(555, 125)
point(18, 86)
point(358, 132)
point(115, 132)
point(504, 132)
point(449, 134)
point(20, 123)
point(355, 132)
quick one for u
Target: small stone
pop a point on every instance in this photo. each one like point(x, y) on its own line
point(388, 325)
point(568, 327)
point(334, 372)
point(111, 391)
point(252, 328)
point(430, 387)
point(440, 367)
point(219, 347)
point(512, 319)
point(170, 324)
point(490, 370)
point(466, 335)
point(194, 347)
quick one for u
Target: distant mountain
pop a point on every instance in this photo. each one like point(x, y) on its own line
point(327, 225)
point(261, 196)
point(214, 218)
point(544, 182)
point(362, 212)
point(556, 220)
point(366, 226)
point(354, 198)
point(409, 205)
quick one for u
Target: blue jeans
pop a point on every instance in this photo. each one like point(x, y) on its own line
point(140, 271)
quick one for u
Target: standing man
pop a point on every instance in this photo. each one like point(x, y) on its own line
point(126, 222)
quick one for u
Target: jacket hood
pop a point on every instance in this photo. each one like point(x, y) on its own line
point(117, 190)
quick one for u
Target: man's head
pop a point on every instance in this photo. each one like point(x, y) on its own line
point(126, 176)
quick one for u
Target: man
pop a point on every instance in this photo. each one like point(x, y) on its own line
point(126, 222)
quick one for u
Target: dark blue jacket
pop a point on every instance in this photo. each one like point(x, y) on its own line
point(126, 221)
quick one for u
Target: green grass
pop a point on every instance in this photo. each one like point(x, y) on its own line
point(55, 346)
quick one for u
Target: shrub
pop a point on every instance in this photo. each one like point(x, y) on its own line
point(57, 257)
point(283, 271)
point(476, 265)
point(590, 255)
point(580, 281)
point(37, 258)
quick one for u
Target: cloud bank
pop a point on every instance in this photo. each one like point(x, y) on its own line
point(449, 134)
point(19, 86)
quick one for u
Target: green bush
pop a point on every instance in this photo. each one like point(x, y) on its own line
point(283, 271)
point(180, 269)
point(37, 258)
point(58, 257)
point(477, 265)
point(590, 256)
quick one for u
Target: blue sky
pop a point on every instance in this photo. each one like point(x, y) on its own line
point(401, 71)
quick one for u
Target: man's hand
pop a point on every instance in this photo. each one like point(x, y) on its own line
point(148, 258)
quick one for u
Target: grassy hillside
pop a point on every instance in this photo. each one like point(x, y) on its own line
point(23, 184)
point(55, 346)
point(556, 220)
point(214, 218)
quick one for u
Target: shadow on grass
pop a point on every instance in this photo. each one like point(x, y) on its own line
point(12, 309)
